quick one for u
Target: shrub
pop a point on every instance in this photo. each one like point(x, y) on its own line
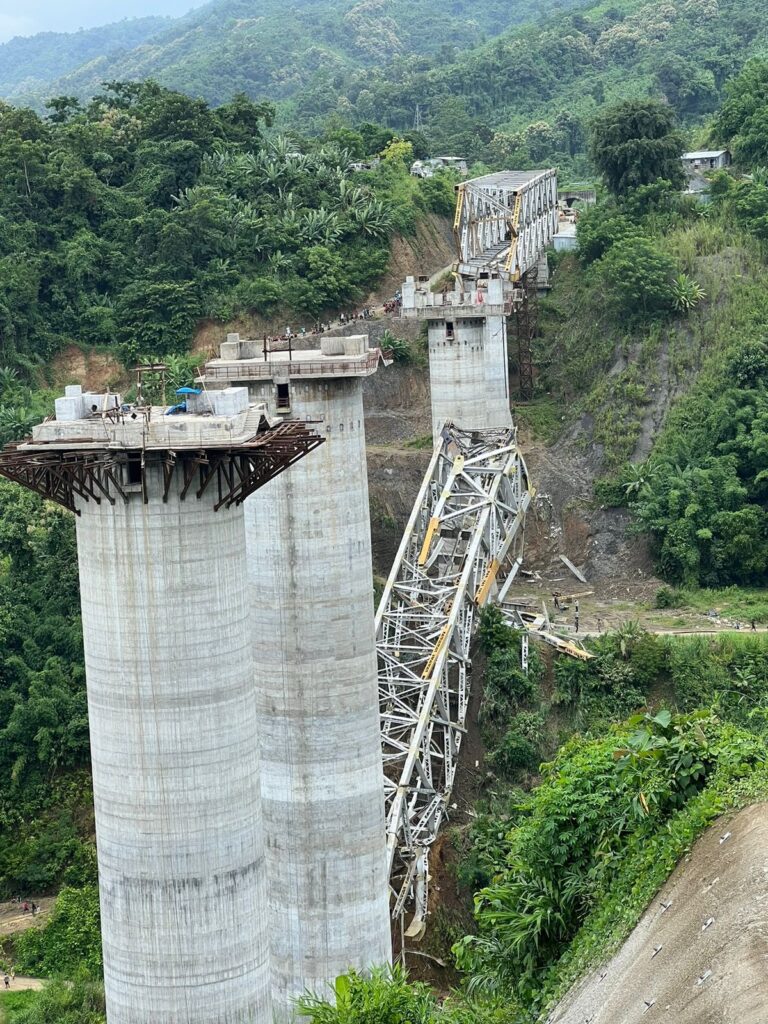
point(667, 597)
point(637, 278)
point(71, 940)
point(520, 747)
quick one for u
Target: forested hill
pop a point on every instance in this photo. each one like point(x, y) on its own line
point(529, 95)
point(506, 83)
point(130, 220)
point(28, 64)
point(268, 48)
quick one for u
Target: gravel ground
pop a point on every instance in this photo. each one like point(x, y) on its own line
point(703, 973)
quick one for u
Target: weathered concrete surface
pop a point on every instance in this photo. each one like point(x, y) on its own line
point(727, 882)
point(309, 560)
point(468, 373)
point(174, 750)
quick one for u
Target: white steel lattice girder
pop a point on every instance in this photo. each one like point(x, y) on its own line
point(464, 534)
point(504, 221)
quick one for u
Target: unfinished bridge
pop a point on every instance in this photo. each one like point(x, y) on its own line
point(504, 222)
point(463, 544)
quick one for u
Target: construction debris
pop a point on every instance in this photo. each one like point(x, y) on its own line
point(569, 564)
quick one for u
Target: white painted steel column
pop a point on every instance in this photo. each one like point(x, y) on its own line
point(309, 559)
point(174, 749)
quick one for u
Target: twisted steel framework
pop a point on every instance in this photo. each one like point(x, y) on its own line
point(461, 548)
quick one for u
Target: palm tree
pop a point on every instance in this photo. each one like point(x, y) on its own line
point(9, 381)
point(16, 422)
point(319, 226)
point(373, 218)
point(640, 478)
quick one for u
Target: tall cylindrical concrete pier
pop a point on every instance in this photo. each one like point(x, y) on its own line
point(316, 677)
point(468, 359)
point(175, 766)
point(172, 709)
point(468, 372)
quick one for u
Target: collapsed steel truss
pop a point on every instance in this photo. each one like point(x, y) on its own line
point(504, 221)
point(461, 548)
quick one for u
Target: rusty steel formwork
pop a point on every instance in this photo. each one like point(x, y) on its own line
point(461, 549)
point(90, 470)
point(522, 324)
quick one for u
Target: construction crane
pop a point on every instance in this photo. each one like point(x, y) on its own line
point(462, 547)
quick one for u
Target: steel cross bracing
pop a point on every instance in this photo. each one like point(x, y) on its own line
point(504, 221)
point(462, 546)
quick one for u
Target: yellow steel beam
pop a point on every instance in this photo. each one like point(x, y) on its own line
point(515, 232)
point(436, 650)
point(459, 207)
point(485, 587)
point(434, 523)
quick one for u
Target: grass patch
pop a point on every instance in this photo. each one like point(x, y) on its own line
point(542, 417)
point(738, 603)
point(13, 1002)
point(423, 443)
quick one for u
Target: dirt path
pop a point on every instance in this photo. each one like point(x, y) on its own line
point(22, 984)
point(13, 919)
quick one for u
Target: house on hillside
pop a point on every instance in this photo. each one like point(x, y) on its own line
point(702, 160)
point(427, 168)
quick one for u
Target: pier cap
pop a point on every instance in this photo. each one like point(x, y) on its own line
point(300, 357)
point(99, 448)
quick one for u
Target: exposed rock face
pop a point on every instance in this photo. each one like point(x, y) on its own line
point(703, 973)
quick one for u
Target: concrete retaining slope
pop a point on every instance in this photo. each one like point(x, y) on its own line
point(714, 973)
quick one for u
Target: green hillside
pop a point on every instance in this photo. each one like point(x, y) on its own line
point(29, 63)
point(505, 84)
point(267, 50)
point(528, 96)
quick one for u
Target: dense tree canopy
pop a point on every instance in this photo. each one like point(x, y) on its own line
point(129, 220)
point(742, 121)
point(636, 143)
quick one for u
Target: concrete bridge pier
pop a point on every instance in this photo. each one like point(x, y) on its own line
point(312, 632)
point(171, 704)
point(468, 369)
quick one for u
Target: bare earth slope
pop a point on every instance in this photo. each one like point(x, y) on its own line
point(703, 973)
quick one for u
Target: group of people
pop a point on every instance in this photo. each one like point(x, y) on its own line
point(392, 307)
point(27, 906)
point(556, 600)
point(366, 313)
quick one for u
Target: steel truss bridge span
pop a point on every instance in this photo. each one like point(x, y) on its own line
point(462, 548)
point(504, 222)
